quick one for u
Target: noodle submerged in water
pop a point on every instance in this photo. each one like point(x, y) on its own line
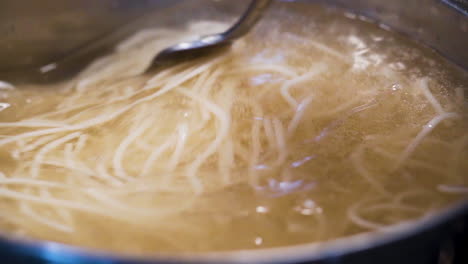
point(304, 131)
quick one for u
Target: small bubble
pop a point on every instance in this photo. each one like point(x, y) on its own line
point(396, 87)
point(307, 211)
point(4, 106)
point(15, 154)
point(308, 207)
point(258, 241)
point(309, 203)
point(262, 167)
point(261, 209)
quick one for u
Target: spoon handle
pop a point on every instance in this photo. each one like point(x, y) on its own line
point(248, 19)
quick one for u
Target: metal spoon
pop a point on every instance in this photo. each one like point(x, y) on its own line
point(65, 68)
point(206, 44)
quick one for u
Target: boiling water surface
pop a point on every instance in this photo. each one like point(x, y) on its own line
point(315, 126)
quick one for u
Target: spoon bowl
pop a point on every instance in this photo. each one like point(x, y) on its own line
point(208, 44)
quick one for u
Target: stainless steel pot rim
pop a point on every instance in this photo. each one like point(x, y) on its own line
point(53, 251)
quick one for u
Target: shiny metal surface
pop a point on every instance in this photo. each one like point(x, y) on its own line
point(69, 33)
point(206, 43)
point(432, 22)
point(53, 40)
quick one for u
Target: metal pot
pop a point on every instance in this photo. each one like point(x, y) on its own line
point(440, 24)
